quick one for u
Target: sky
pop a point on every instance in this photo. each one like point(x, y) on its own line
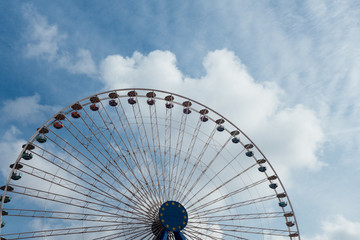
point(285, 72)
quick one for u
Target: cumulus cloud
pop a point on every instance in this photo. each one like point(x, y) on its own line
point(293, 138)
point(338, 228)
point(45, 41)
point(226, 81)
point(290, 136)
point(81, 63)
point(26, 110)
point(43, 38)
point(156, 69)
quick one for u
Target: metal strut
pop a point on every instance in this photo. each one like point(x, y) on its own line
point(164, 235)
point(178, 235)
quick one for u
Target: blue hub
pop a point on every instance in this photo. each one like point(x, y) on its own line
point(173, 216)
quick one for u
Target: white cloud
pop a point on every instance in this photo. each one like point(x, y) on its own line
point(27, 110)
point(158, 69)
point(43, 38)
point(10, 148)
point(291, 136)
point(45, 41)
point(310, 49)
point(81, 63)
point(338, 228)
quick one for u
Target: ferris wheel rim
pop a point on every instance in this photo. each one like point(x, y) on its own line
point(32, 139)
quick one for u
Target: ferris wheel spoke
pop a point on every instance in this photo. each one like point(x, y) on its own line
point(106, 169)
point(167, 147)
point(127, 127)
point(132, 156)
point(64, 183)
point(143, 234)
point(66, 216)
point(223, 185)
point(206, 168)
point(157, 232)
point(186, 160)
point(190, 234)
point(64, 161)
point(248, 216)
point(119, 145)
point(196, 164)
point(176, 158)
point(97, 179)
point(207, 232)
point(225, 196)
point(102, 167)
point(62, 231)
point(157, 146)
point(73, 171)
point(67, 200)
point(110, 161)
point(221, 232)
point(109, 143)
point(221, 170)
point(143, 136)
point(129, 233)
point(35, 213)
point(248, 229)
point(207, 212)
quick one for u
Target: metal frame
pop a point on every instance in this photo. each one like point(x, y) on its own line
point(119, 164)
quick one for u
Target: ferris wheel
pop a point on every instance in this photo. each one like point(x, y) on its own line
point(143, 164)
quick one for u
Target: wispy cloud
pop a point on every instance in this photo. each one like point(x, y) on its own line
point(43, 39)
point(26, 110)
point(309, 48)
point(47, 42)
point(338, 227)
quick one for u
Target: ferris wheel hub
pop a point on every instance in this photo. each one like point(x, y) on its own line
point(173, 216)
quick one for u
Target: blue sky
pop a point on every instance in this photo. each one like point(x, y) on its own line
point(291, 67)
